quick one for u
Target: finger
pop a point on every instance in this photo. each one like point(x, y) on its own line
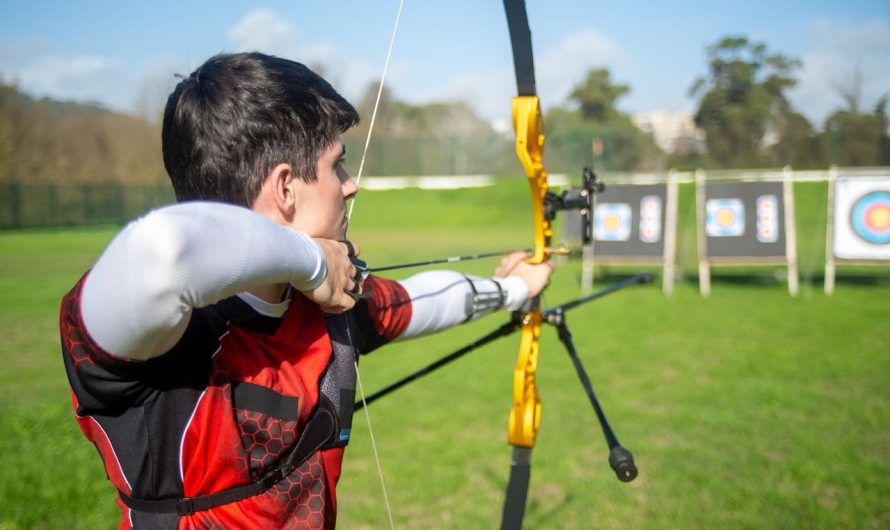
point(340, 308)
point(515, 258)
point(352, 250)
point(361, 268)
point(356, 292)
point(340, 302)
point(353, 272)
point(356, 288)
point(509, 262)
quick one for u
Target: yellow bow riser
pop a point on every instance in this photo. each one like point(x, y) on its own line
point(529, 126)
point(525, 416)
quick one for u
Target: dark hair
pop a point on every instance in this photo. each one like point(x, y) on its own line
point(237, 116)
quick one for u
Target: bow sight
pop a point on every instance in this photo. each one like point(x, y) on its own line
point(580, 199)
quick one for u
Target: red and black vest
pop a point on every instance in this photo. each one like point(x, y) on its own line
point(226, 406)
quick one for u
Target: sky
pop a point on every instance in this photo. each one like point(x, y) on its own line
point(124, 54)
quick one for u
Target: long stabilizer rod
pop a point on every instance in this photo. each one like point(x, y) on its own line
point(620, 459)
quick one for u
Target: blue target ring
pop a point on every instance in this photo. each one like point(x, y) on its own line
point(870, 217)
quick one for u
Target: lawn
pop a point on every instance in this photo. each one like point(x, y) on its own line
point(748, 409)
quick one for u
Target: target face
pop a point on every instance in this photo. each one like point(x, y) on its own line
point(870, 218)
point(767, 219)
point(611, 222)
point(725, 218)
point(862, 218)
point(650, 219)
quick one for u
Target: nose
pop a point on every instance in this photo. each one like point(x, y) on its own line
point(347, 185)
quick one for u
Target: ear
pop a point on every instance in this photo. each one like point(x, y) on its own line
point(277, 197)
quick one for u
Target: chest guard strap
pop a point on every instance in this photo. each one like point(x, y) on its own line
point(318, 431)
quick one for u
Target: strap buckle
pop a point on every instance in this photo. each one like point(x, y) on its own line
point(185, 506)
point(274, 477)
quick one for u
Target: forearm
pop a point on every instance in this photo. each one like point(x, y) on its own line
point(138, 298)
point(441, 299)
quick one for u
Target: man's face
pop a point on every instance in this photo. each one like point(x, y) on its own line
point(321, 205)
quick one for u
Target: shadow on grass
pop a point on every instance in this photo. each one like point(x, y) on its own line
point(537, 513)
point(763, 280)
point(755, 279)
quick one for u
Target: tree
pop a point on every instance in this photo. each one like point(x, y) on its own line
point(797, 143)
point(425, 139)
point(742, 99)
point(596, 96)
point(858, 139)
point(400, 119)
point(884, 127)
point(850, 90)
point(43, 140)
point(852, 137)
point(590, 118)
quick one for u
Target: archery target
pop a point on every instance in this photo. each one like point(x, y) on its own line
point(725, 218)
point(862, 219)
point(612, 222)
point(870, 217)
point(767, 218)
point(650, 219)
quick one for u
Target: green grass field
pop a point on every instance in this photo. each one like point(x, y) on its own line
point(748, 409)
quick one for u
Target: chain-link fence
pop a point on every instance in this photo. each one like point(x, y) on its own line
point(35, 204)
point(49, 205)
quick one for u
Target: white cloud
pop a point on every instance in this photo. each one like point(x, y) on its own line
point(265, 31)
point(15, 54)
point(154, 86)
point(42, 71)
point(839, 49)
point(485, 91)
point(577, 52)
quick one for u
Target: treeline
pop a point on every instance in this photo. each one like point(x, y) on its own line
point(743, 114)
point(47, 141)
point(748, 121)
point(445, 138)
point(449, 138)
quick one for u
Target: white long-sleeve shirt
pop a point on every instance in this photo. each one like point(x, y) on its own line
point(138, 298)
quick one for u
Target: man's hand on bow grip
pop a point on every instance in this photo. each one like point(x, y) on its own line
point(332, 295)
point(534, 276)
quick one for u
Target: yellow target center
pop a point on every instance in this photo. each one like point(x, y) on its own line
point(725, 217)
point(879, 218)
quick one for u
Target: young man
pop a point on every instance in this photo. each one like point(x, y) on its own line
point(211, 348)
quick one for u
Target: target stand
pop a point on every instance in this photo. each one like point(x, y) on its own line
point(746, 220)
point(634, 223)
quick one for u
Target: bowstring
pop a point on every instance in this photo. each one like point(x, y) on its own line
point(361, 165)
point(358, 179)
